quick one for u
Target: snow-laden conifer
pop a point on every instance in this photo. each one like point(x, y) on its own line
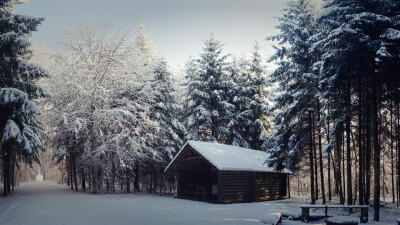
point(207, 103)
point(19, 129)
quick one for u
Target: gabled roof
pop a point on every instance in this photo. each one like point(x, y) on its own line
point(228, 157)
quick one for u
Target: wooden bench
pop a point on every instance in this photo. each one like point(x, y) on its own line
point(305, 211)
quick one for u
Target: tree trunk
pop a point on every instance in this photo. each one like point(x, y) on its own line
point(329, 178)
point(5, 172)
point(377, 156)
point(136, 182)
point(338, 154)
point(128, 182)
point(99, 179)
point(68, 171)
point(329, 164)
point(391, 150)
point(315, 163)
point(113, 177)
point(348, 140)
point(108, 185)
point(13, 171)
point(360, 149)
point(75, 172)
point(311, 159)
point(398, 153)
point(71, 172)
point(367, 154)
point(343, 168)
point(320, 156)
point(83, 180)
point(94, 180)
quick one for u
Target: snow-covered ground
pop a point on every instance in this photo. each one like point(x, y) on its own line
point(50, 203)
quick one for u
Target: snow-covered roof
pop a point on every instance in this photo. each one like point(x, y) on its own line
point(228, 157)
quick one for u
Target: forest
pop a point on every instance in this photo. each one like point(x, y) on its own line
point(109, 113)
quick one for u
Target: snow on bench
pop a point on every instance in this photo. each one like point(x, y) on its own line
point(272, 218)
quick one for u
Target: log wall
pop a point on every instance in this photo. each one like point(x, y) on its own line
point(251, 186)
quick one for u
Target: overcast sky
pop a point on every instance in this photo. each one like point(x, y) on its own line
point(178, 27)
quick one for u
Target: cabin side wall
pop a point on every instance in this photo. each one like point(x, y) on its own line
point(237, 186)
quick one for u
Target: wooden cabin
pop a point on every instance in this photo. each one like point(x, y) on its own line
point(226, 174)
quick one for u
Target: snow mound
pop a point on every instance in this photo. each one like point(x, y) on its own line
point(343, 219)
point(272, 218)
point(39, 177)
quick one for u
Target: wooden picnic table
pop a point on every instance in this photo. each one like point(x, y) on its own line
point(305, 211)
point(200, 190)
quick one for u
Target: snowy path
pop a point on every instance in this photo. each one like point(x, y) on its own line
point(48, 203)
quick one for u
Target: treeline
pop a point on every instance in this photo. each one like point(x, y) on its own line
point(338, 109)
point(118, 116)
point(114, 113)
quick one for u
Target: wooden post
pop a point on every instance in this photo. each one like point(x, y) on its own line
point(288, 181)
point(326, 212)
point(305, 214)
point(219, 187)
point(364, 215)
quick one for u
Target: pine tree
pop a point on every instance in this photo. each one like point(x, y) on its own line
point(167, 111)
point(354, 64)
point(143, 45)
point(207, 103)
point(19, 129)
point(295, 104)
point(249, 125)
point(258, 105)
point(239, 96)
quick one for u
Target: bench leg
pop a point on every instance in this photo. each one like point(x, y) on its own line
point(305, 215)
point(326, 213)
point(364, 215)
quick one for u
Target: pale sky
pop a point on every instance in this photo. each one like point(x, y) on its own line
point(178, 27)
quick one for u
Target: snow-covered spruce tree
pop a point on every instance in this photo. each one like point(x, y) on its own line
point(19, 129)
point(164, 111)
point(144, 66)
point(207, 104)
point(297, 87)
point(143, 46)
point(167, 111)
point(258, 107)
point(354, 64)
point(136, 95)
point(239, 124)
point(248, 126)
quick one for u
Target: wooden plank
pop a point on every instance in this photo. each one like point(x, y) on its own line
point(220, 191)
